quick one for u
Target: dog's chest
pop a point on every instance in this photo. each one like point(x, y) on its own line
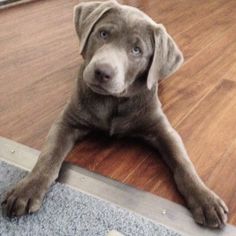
point(115, 116)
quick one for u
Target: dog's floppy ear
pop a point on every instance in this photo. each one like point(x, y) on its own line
point(167, 57)
point(86, 15)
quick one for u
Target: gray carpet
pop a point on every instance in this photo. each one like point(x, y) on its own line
point(68, 212)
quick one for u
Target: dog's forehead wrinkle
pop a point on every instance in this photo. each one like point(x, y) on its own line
point(130, 20)
point(110, 21)
point(135, 14)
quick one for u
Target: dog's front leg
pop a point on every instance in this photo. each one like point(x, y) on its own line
point(207, 208)
point(27, 195)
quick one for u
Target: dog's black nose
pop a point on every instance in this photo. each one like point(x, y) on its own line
point(104, 72)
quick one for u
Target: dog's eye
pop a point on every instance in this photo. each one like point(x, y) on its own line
point(136, 51)
point(103, 34)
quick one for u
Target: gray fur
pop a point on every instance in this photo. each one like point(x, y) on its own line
point(122, 101)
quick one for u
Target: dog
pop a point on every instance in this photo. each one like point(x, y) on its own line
point(125, 53)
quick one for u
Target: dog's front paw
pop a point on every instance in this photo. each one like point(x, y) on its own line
point(26, 197)
point(208, 209)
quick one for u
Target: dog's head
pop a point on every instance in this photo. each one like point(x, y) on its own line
point(124, 50)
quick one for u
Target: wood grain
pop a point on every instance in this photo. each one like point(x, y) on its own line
point(39, 60)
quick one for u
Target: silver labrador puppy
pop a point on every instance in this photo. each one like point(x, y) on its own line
point(125, 54)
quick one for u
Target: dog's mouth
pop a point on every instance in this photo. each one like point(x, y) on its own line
point(98, 89)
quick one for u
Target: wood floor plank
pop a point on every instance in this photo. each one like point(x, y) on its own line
point(178, 16)
point(207, 132)
point(124, 159)
point(197, 77)
point(207, 31)
point(39, 60)
point(198, 131)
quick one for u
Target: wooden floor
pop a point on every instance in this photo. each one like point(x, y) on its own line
point(39, 60)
